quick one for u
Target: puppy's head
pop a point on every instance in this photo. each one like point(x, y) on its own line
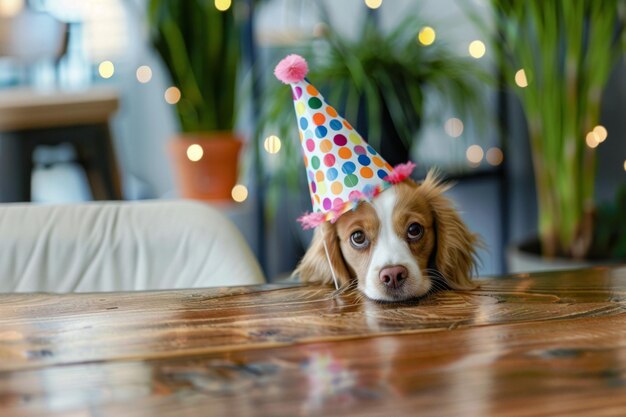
point(397, 246)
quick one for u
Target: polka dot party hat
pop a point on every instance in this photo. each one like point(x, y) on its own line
point(342, 169)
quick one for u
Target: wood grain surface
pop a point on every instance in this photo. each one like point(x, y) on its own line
point(540, 344)
point(26, 108)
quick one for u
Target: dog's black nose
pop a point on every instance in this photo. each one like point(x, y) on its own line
point(393, 276)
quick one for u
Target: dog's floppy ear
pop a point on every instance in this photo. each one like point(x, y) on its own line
point(455, 247)
point(314, 266)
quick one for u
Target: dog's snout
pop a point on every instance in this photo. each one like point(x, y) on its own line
point(393, 276)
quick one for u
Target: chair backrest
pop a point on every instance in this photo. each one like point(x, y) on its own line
point(121, 246)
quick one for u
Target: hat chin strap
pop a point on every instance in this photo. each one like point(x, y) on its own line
point(332, 270)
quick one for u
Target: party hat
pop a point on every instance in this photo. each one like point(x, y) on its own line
point(342, 168)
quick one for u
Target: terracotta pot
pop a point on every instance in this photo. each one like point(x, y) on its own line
point(214, 174)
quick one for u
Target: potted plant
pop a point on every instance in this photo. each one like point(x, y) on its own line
point(377, 81)
point(199, 46)
point(557, 57)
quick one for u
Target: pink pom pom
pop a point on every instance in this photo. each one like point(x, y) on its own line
point(400, 173)
point(292, 69)
point(311, 220)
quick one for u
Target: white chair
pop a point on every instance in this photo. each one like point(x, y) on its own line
point(121, 246)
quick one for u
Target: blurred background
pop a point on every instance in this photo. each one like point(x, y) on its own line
point(519, 103)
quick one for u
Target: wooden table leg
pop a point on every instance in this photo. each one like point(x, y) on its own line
point(97, 156)
point(108, 165)
point(16, 166)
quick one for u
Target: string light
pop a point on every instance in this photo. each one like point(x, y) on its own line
point(144, 74)
point(520, 79)
point(239, 193)
point(195, 152)
point(106, 69)
point(222, 5)
point(474, 154)
point(495, 156)
point(172, 95)
point(373, 4)
point(10, 8)
point(453, 127)
point(477, 49)
point(272, 144)
point(592, 140)
point(426, 35)
point(596, 136)
point(601, 133)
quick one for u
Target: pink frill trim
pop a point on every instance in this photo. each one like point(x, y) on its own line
point(311, 220)
point(292, 69)
point(400, 173)
point(397, 175)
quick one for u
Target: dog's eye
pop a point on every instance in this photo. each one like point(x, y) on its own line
point(414, 232)
point(358, 240)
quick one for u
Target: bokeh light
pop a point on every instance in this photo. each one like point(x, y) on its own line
point(10, 8)
point(106, 69)
point(601, 133)
point(592, 140)
point(373, 4)
point(624, 164)
point(144, 74)
point(222, 5)
point(427, 35)
point(172, 95)
point(239, 193)
point(494, 156)
point(477, 49)
point(195, 152)
point(272, 144)
point(520, 79)
point(474, 154)
point(453, 127)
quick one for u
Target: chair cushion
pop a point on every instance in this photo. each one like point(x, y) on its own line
point(121, 246)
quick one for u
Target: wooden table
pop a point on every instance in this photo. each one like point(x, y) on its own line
point(542, 344)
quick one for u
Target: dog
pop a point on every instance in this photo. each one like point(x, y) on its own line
point(408, 241)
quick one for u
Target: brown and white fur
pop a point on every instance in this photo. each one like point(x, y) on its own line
point(406, 242)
